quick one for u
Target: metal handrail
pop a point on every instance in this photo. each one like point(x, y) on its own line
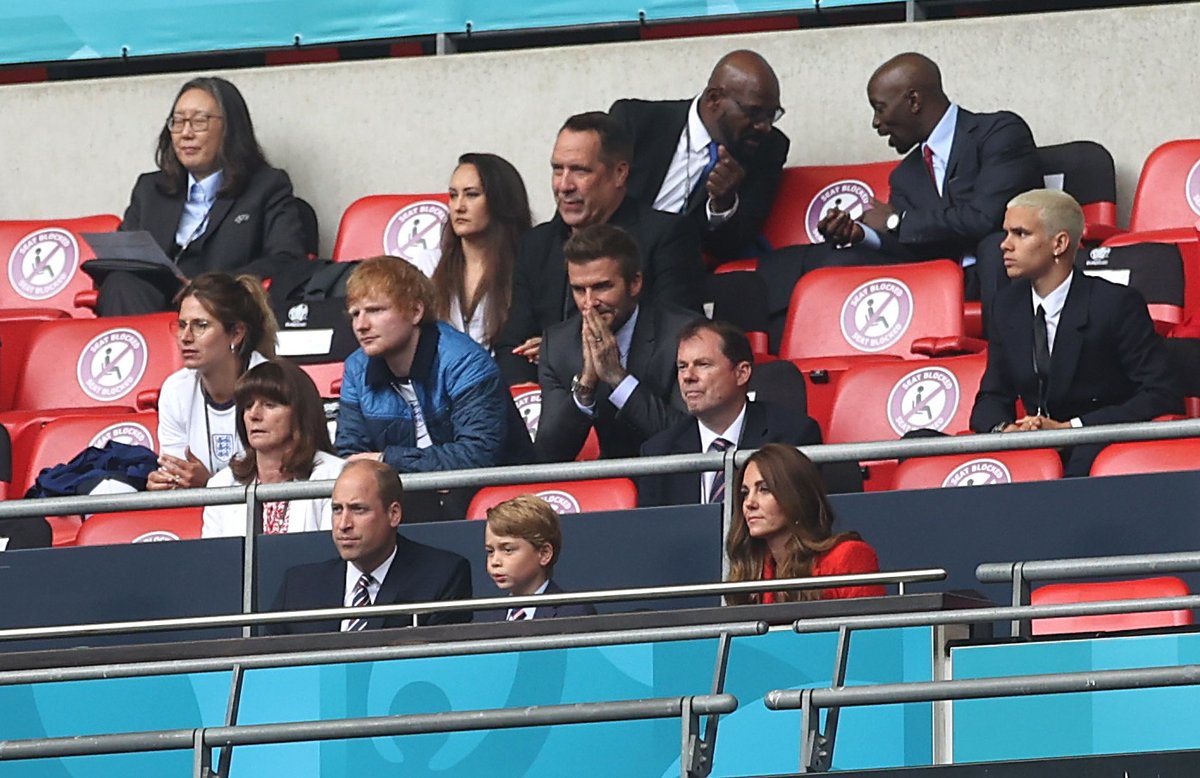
point(974, 689)
point(1003, 613)
point(415, 609)
point(1088, 567)
point(645, 466)
point(134, 669)
point(206, 738)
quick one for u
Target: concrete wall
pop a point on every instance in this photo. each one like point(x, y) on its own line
point(1127, 78)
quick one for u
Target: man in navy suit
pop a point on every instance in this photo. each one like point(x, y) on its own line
point(376, 566)
point(948, 195)
point(716, 158)
point(713, 367)
point(1076, 350)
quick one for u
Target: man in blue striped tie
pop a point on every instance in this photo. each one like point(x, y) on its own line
point(375, 565)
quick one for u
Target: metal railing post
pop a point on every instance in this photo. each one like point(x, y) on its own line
point(249, 552)
point(1021, 628)
point(201, 756)
point(225, 762)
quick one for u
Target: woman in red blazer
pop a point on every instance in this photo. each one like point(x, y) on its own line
point(783, 528)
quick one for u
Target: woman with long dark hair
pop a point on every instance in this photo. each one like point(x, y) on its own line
point(225, 328)
point(213, 204)
point(281, 426)
point(489, 211)
point(783, 528)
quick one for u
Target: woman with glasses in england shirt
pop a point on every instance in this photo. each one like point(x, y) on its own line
point(213, 204)
point(225, 328)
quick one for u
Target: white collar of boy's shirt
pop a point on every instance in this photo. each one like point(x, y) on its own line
point(208, 187)
point(529, 610)
point(1053, 305)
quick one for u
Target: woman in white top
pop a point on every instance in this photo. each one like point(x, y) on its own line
point(281, 425)
point(489, 212)
point(225, 328)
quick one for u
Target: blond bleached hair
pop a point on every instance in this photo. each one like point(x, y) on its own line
point(1059, 211)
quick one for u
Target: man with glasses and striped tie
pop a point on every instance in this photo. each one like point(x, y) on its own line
point(375, 565)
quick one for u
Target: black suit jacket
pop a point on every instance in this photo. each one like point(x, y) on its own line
point(1107, 366)
point(655, 126)
point(544, 611)
point(419, 573)
point(257, 232)
point(765, 423)
point(653, 406)
point(672, 273)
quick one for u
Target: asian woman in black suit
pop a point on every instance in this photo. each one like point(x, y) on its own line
point(213, 204)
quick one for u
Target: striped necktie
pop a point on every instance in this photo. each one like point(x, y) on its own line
point(716, 492)
point(519, 615)
point(362, 598)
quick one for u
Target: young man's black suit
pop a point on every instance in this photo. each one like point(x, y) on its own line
point(1107, 365)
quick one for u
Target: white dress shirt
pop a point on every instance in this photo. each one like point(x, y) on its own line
point(1053, 305)
point(377, 577)
point(200, 198)
point(732, 433)
point(687, 165)
point(529, 610)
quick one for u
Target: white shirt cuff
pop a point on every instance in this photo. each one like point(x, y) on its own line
point(623, 390)
point(870, 238)
point(717, 218)
point(1076, 422)
point(586, 410)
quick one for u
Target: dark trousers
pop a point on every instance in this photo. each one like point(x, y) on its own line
point(124, 293)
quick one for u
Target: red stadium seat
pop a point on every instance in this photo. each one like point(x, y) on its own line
point(104, 529)
point(96, 363)
point(1000, 467)
point(833, 322)
point(885, 400)
point(528, 399)
point(807, 193)
point(326, 375)
point(1168, 190)
point(1146, 588)
point(602, 494)
point(1085, 170)
point(1149, 456)
point(57, 441)
point(44, 256)
point(15, 331)
point(406, 226)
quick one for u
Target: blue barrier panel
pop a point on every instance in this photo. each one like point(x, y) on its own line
point(1075, 724)
point(83, 29)
point(752, 740)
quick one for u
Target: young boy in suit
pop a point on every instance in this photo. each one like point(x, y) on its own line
point(523, 540)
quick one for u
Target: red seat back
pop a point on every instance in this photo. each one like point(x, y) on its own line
point(141, 526)
point(884, 400)
point(1146, 588)
point(1000, 467)
point(406, 226)
point(602, 494)
point(1148, 456)
point(528, 399)
point(86, 363)
point(1168, 190)
point(58, 441)
point(850, 311)
point(43, 258)
point(807, 193)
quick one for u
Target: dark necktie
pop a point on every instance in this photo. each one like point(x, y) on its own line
point(928, 154)
point(716, 492)
point(708, 168)
point(362, 598)
point(1041, 356)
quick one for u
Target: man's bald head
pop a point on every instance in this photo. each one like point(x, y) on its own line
point(907, 99)
point(741, 102)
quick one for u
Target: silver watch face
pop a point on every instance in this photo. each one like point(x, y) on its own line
point(893, 222)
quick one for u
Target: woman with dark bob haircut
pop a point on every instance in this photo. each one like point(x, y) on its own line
point(281, 424)
point(783, 528)
point(489, 212)
point(213, 204)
